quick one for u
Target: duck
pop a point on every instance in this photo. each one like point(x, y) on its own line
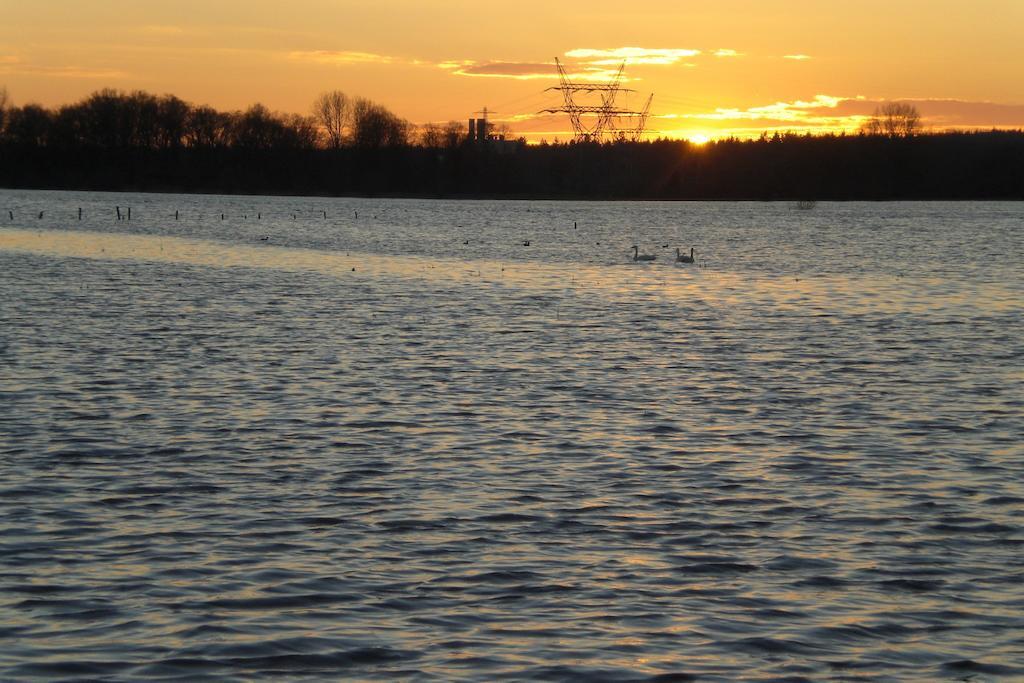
point(637, 256)
point(683, 258)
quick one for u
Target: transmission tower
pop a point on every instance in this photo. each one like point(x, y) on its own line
point(601, 119)
point(636, 133)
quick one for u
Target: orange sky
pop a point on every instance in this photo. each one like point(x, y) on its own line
point(715, 66)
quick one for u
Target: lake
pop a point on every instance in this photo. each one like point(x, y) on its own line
point(378, 439)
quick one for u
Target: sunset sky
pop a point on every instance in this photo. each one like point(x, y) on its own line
point(716, 67)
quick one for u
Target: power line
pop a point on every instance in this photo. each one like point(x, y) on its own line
point(596, 122)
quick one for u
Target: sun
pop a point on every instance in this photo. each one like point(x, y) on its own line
point(699, 138)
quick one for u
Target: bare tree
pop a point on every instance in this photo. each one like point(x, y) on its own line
point(206, 127)
point(374, 126)
point(442, 136)
point(3, 105)
point(872, 126)
point(173, 116)
point(895, 120)
point(29, 125)
point(302, 130)
point(333, 113)
point(431, 135)
point(454, 134)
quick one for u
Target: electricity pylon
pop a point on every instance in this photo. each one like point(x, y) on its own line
point(637, 131)
point(601, 118)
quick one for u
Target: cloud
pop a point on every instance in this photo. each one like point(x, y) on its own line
point(827, 113)
point(938, 113)
point(798, 58)
point(525, 71)
point(517, 70)
point(584, 65)
point(632, 55)
point(821, 114)
point(795, 111)
point(455, 64)
point(14, 65)
point(339, 57)
point(817, 115)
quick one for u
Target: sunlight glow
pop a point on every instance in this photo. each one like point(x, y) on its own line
point(633, 55)
point(711, 74)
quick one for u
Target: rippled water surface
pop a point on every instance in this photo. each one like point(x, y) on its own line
point(386, 440)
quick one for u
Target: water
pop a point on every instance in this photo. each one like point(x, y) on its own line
point(364, 449)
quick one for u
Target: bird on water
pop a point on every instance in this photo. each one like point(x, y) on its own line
point(683, 258)
point(637, 256)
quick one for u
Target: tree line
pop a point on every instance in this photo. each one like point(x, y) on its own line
point(110, 119)
point(352, 146)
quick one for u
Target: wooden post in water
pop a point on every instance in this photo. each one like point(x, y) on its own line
point(259, 216)
point(175, 214)
point(129, 213)
point(118, 209)
point(79, 213)
point(325, 215)
point(40, 215)
point(11, 214)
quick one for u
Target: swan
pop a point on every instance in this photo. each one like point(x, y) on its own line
point(683, 258)
point(637, 256)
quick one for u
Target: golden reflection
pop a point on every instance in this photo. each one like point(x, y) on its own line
point(567, 283)
point(640, 561)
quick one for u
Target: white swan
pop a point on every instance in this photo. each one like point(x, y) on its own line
point(637, 256)
point(683, 258)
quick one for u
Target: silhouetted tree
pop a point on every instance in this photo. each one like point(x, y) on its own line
point(895, 119)
point(3, 106)
point(142, 120)
point(118, 141)
point(454, 134)
point(101, 120)
point(173, 119)
point(333, 112)
point(254, 129)
point(301, 131)
point(374, 126)
point(439, 136)
point(431, 135)
point(28, 126)
point(207, 127)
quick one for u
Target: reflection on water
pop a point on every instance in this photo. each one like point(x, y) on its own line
point(670, 280)
point(227, 458)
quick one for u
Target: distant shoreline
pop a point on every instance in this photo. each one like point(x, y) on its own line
point(120, 142)
point(509, 198)
point(930, 167)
